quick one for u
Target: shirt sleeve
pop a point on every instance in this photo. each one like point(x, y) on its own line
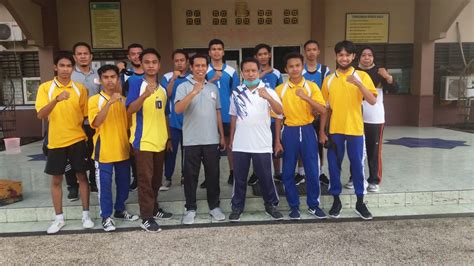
point(41, 97)
point(133, 92)
point(274, 95)
point(328, 71)
point(280, 80)
point(235, 81)
point(83, 100)
point(181, 92)
point(93, 109)
point(218, 98)
point(164, 82)
point(232, 106)
point(324, 90)
point(369, 84)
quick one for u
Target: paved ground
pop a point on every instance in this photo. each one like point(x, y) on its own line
point(428, 241)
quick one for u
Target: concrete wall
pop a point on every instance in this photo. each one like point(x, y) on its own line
point(466, 23)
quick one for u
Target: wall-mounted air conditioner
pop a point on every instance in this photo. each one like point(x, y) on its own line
point(10, 31)
point(452, 87)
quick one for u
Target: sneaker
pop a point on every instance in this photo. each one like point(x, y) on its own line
point(161, 214)
point(93, 188)
point(230, 180)
point(87, 223)
point(323, 179)
point(373, 188)
point(294, 214)
point(349, 184)
point(203, 184)
point(150, 225)
point(55, 226)
point(189, 216)
point(277, 178)
point(217, 214)
point(363, 212)
point(108, 224)
point(253, 179)
point(166, 185)
point(133, 185)
point(73, 194)
point(274, 213)
point(299, 179)
point(317, 212)
point(335, 210)
point(235, 216)
point(125, 215)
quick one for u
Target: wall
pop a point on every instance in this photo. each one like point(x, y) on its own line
point(466, 22)
point(5, 15)
point(236, 36)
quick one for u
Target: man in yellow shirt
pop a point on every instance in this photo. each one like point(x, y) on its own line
point(64, 103)
point(146, 102)
point(344, 91)
point(300, 98)
point(108, 117)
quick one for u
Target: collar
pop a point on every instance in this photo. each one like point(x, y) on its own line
point(318, 68)
point(191, 79)
point(300, 84)
point(60, 85)
point(91, 71)
point(350, 71)
point(104, 95)
point(224, 65)
point(366, 68)
point(242, 87)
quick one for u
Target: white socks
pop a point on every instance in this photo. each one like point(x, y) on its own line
point(59, 217)
point(85, 214)
point(301, 170)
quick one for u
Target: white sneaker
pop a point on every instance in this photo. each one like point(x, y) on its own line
point(217, 214)
point(108, 224)
point(87, 223)
point(166, 186)
point(373, 188)
point(188, 217)
point(349, 185)
point(55, 226)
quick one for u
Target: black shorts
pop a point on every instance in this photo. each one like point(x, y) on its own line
point(226, 129)
point(76, 155)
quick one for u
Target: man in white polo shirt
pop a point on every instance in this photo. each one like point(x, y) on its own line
point(251, 138)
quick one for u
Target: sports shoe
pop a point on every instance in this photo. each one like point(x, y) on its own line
point(203, 184)
point(93, 188)
point(55, 226)
point(253, 179)
point(274, 213)
point(277, 178)
point(317, 212)
point(166, 185)
point(189, 216)
point(87, 223)
point(161, 214)
point(230, 180)
point(363, 212)
point(108, 224)
point(73, 194)
point(299, 179)
point(335, 210)
point(349, 184)
point(235, 216)
point(294, 214)
point(133, 185)
point(217, 214)
point(373, 188)
point(150, 225)
point(323, 179)
point(125, 215)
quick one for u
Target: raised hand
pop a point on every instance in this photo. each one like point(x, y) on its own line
point(116, 97)
point(353, 80)
point(198, 86)
point(262, 92)
point(64, 95)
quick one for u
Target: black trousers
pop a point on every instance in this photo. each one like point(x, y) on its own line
point(373, 145)
point(209, 156)
point(70, 175)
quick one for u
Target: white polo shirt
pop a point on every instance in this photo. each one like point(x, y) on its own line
point(252, 132)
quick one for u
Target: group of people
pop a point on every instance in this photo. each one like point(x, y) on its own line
point(127, 125)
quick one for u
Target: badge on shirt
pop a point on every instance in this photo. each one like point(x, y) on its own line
point(213, 95)
point(158, 104)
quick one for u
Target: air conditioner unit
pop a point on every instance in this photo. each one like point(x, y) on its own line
point(451, 87)
point(10, 31)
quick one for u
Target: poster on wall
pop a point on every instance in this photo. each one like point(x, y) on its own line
point(30, 89)
point(106, 24)
point(367, 27)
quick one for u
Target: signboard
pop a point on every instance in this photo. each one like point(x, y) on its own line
point(106, 25)
point(367, 28)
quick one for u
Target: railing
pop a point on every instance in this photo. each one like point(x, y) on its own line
point(8, 112)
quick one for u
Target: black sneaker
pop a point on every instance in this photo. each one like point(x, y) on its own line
point(125, 215)
point(299, 179)
point(235, 216)
point(150, 225)
point(203, 184)
point(230, 181)
point(161, 214)
point(93, 188)
point(274, 213)
point(317, 212)
point(335, 210)
point(323, 179)
point(182, 181)
point(73, 194)
point(253, 179)
point(277, 178)
point(108, 224)
point(133, 185)
point(363, 212)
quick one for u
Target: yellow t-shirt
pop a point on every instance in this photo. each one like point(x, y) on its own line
point(149, 129)
point(67, 117)
point(110, 138)
point(298, 112)
point(345, 101)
